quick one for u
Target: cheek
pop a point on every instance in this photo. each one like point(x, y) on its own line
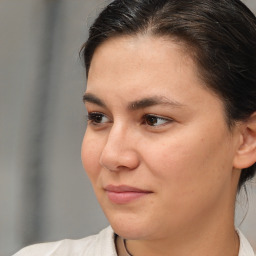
point(189, 161)
point(192, 172)
point(90, 155)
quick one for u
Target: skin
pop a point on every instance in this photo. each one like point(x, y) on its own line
point(185, 158)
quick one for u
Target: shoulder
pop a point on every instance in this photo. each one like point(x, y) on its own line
point(245, 247)
point(96, 245)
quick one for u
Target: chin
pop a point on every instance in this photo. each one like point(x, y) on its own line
point(130, 232)
point(124, 224)
point(130, 228)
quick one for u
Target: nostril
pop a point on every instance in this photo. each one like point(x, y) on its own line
point(109, 159)
point(121, 160)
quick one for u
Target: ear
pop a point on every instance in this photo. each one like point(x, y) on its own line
point(246, 152)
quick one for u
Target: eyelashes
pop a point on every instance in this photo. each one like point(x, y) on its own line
point(99, 119)
point(154, 120)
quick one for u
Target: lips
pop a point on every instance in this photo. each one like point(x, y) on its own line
point(124, 194)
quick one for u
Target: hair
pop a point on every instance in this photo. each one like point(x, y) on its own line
point(219, 34)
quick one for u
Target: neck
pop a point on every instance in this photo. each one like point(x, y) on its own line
point(209, 236)
point(199, 244)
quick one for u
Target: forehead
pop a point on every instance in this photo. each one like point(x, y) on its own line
point(145, 52)
point(147, 46)
point(136, 66)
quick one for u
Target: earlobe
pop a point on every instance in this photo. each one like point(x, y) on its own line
point(246, 152)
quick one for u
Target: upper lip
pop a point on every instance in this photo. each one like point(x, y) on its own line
point(124, 188)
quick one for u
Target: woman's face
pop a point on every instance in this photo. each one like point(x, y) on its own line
point(157, 148)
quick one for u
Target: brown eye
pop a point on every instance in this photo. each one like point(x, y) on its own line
point(97, 118)
point(153, 120)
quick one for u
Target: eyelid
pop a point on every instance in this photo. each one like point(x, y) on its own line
point(166, 120)
point(154, 121)
point(92, 118)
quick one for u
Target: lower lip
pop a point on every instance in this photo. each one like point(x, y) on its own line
point(124, 197)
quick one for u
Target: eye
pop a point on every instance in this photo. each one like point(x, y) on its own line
point(97, 118)
point(153, 120)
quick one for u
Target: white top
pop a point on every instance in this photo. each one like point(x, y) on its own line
point(102, 244)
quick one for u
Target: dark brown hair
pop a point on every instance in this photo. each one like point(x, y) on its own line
point(221, 37)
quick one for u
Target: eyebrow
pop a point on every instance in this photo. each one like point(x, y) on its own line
point(89, 97)
point(152, 101)
point(138, 104)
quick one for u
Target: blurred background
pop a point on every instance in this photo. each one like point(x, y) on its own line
point(45, 194)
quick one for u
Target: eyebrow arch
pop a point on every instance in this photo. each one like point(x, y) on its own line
point(89, 97)
point(151, 101)
point(136, 105)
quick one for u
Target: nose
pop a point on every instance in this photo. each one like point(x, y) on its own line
point(119, 152)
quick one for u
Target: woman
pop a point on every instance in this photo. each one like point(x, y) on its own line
point(171, 136)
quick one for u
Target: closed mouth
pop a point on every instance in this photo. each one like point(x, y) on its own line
point(124, 194)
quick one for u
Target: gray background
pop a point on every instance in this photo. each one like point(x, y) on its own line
point(45, 194)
